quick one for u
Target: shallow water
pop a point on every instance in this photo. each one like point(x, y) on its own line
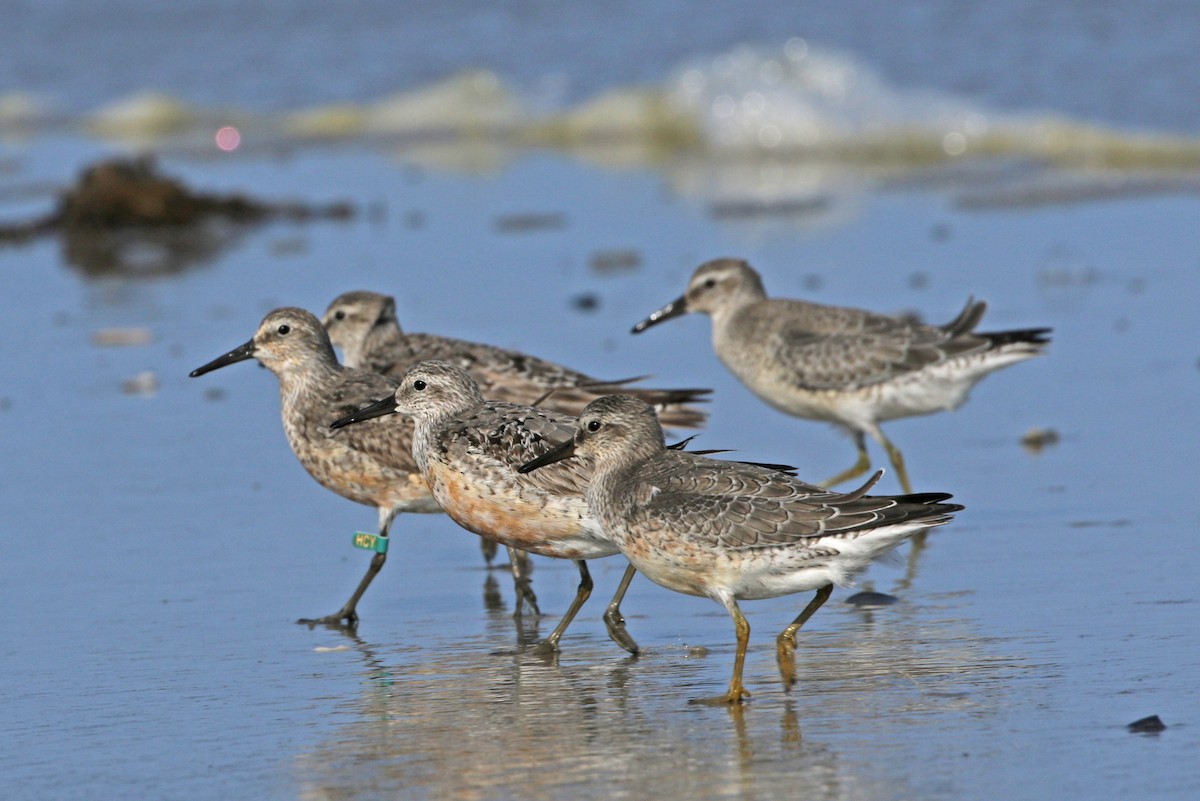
point(161, 544)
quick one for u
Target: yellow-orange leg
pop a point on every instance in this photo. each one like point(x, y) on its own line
point(736, 691)
point(858, 468)
point(897, 462)
point(785, 643)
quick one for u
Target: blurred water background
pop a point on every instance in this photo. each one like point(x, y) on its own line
point(541, 175)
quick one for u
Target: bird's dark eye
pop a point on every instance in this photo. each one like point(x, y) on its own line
point(593, 426)
point(709, 283)
point(419, 385)
point(339, 315)
point(284, 329)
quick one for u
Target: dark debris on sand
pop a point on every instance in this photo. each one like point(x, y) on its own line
point(871, 598)
point(1147, 725)
point(131, 196)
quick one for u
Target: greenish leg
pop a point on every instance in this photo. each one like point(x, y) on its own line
point(347, 616)
point(550, 644)
point(488, 549)
point(614, 620)
point(523, 585)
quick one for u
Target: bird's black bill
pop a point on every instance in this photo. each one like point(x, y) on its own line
point(556, 454)
point(376, 409)
point(675, 308)
point(238, 354)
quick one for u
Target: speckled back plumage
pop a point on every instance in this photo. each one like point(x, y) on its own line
point(709, 527)
point(469, 450)
point(364, 325)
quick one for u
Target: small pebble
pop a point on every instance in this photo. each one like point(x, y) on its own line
point(1149, 725)
point(586, 302)
point(1035, 440)
point(869, 598)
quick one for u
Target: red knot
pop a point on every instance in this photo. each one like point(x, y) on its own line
point(370, 464)
point(730, 531)
point(850, 367)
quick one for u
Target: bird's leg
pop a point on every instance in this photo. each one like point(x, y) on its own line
point(488, 548)
point(550, 644)
point(736, 691)
point(897, 462)
point(613, 618)
point(347, 616)
point(918, 539)
point(785, 643)
point(518, 560)
point(858, 468)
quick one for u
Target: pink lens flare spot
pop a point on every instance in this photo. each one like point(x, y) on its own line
point(228, 138)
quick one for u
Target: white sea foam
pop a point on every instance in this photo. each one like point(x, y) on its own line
point(791, 102)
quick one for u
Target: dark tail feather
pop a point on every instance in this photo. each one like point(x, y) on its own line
point(929, 505)
point(1035, 337)
point(787, 469)
point(774, 467)
point(929, 498)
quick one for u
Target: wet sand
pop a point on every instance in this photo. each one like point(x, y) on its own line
point(162, 543)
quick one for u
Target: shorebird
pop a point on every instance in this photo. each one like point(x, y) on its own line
point(850, 367)
point(370, 464)
point(365, 327)
point(730, 531)
point(468, 449)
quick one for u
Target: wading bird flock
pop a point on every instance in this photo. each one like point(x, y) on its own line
point(547, 460)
